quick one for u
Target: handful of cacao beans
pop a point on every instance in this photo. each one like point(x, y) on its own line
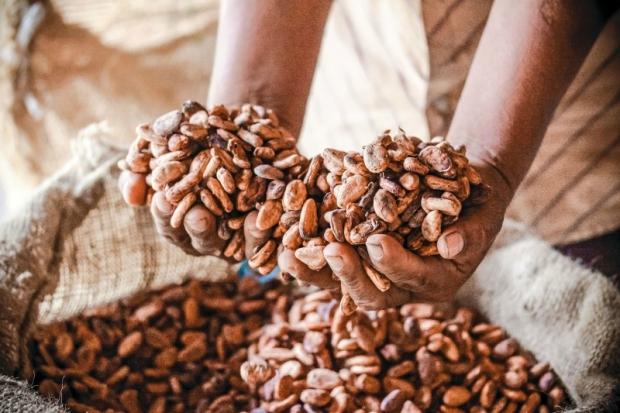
point(398, 185)
point(232, 160)
point(239, 159)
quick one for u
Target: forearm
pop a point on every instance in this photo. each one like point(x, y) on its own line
point(266, 53)
point(527, 57)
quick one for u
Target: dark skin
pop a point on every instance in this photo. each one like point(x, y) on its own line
point(527, 57)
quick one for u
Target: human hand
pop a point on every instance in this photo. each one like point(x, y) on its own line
point(436, 278)
point(198, 234)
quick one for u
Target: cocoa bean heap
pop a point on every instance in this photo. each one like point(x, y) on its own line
point(246, 347)
point(178, 349)
point(412, 359)
point(239, 159)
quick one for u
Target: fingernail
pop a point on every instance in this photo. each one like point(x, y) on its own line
point(335, 262)
point(375, 251)
point(452, 244)
point(163, 205)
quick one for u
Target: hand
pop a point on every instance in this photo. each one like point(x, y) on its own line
point(198, 234)
point(461, 247)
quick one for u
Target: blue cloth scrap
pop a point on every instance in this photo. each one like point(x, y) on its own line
point(246, 271)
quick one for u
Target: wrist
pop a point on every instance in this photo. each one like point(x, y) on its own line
point(494, 170)
point(492, 175)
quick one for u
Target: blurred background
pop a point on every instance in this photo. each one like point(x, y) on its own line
point(67, 63)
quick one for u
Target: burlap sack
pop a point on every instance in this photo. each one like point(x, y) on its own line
point(76, 245)
point(67, 63)
point(562, 312)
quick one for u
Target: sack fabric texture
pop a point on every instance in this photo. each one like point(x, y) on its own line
point(76, 245)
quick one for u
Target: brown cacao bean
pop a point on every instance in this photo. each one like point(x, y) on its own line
point(376, 157)
point(269, 214)
point(167, 123)
point(431, 226)
point(268, 172)
point(312, 256)
point(294, 196)
point(385, 206)
point(308, 220)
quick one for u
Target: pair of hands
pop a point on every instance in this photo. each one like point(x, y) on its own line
point(436, 278)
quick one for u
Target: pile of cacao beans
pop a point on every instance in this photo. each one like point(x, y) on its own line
point(399, 186)
point(251, 347)
point(412, 359)
point(174, 350)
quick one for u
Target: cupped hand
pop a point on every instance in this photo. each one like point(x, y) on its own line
point(198, 234)
point(461, 247)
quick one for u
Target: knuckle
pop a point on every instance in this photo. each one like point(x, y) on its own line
point(299, 270)
point(397, 276)
point(300, 275)
point(414, 282)
point(154, 210)
point(369, 305)
point(348, 275)
point(479, 233)
point(164, 231)
point(354, 283)
point(290, 267)
point(485, 234)
point(461, 273)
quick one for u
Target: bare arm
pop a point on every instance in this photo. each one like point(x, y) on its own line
point(266, 53)
point(529, 53)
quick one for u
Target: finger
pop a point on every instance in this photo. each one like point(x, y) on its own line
point(133, 188)
point(392, 260)
point(432, 278)
point(322, 278)
point(162, 210)
point(254, 237)
point(346, 265)
point(201, 228)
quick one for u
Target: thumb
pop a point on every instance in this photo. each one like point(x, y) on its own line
point(254, 237)
point(346, 266)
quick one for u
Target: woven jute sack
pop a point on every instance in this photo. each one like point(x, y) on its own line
point(76, 245)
